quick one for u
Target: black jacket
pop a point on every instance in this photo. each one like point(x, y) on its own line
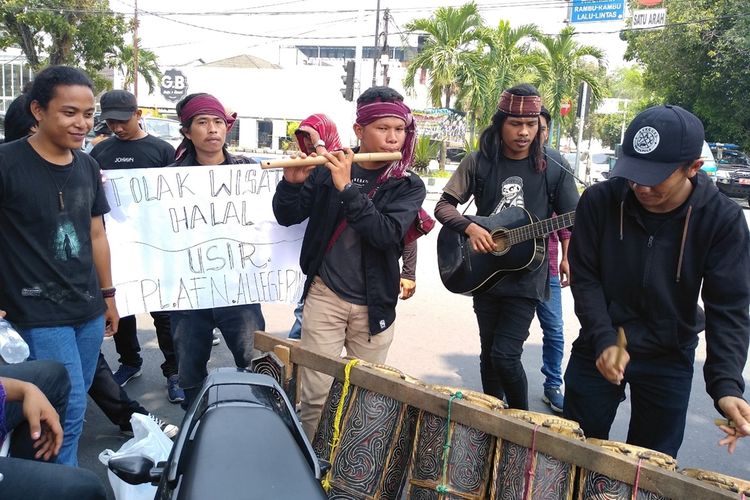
point(650, 283)
point(381, 223)
point(190, 160)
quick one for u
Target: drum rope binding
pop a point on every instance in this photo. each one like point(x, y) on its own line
point(530, 465)
point(326, 483)
point(637, 479)
point(443, 486)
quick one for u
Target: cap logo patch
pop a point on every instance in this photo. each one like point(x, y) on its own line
point(645, 140)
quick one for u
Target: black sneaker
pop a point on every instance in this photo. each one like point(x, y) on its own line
point(169, 430)
point(125, 374)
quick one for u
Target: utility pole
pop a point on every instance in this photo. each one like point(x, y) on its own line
point(582, 111)
point(135, 52)
point(377, 42)
point(386, 18)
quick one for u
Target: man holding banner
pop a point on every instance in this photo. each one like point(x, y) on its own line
point(358, 217)
point(132, 147)
point(205, 124)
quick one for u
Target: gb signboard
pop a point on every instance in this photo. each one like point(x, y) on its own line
point(174, 85)
point(590, 11)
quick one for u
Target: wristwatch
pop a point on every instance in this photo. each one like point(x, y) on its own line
point(318, 143)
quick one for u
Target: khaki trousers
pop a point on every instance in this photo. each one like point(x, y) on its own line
point(330, 324)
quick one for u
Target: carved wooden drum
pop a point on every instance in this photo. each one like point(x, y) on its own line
point(739, 486)
point(595, 486)
point(464, 473)
point(375, 438)
point(520, 473)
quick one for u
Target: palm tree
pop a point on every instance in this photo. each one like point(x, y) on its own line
point(497, 68)
point(453, 37)
point(561, 64)
point(148, 67)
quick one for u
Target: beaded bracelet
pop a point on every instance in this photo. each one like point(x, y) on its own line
point(108, 293)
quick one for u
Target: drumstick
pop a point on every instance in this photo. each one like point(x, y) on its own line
point(725, 422)
point(622, 343)
point(320, 160)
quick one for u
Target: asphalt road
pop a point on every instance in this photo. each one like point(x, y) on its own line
point(436, 341)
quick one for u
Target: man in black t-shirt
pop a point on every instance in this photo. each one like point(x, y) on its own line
point(509, 170)
point(132, 147)
point(55, 284)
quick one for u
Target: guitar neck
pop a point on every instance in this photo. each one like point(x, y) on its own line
point(541, 229)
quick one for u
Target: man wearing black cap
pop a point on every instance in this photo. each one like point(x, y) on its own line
point(133, 147)
point(645, 245)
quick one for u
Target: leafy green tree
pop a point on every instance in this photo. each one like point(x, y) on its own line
point(148, 67)
point(83, 33)
point(561, 64)
point(453, 36)
point(489, 72)
point(625, 83)
point(701, 61)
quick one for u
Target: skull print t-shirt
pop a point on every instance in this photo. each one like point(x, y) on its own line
point(515, 183)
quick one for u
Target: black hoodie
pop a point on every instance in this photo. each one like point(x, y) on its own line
point(650, 283)
point(381, 222)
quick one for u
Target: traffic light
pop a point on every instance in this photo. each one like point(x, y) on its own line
point(348, 79)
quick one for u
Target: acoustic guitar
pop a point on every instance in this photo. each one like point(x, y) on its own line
point(520, 246)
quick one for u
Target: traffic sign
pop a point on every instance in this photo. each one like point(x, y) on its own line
point(589, 11)
point(649, 18)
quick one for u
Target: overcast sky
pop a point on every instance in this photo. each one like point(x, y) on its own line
point(186, 30)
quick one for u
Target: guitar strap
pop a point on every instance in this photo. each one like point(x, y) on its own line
point(483, 172)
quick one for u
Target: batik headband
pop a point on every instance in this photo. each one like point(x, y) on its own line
point(520, 105)
point(206, 105)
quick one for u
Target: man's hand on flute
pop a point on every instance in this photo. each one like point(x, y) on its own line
point(340, 165)
point(297, 175)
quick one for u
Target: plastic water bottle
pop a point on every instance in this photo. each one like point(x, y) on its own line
point(13, 348)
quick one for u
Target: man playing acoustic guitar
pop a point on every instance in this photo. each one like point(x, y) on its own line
point(510, 170)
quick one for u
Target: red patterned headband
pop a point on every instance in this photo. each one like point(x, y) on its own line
point(520, 105)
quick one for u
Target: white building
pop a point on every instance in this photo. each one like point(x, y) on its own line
point(266, 97)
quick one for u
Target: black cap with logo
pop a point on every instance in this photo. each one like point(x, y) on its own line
point(118, 105)
point(657, 141)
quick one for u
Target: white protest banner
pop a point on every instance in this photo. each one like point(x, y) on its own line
point(199, 237)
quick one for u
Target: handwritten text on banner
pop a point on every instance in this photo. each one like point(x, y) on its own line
point(199, 237)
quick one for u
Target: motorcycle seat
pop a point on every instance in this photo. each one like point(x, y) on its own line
point(245, 452)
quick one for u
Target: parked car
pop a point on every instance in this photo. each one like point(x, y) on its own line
point(709, 162)
point(163, 128)
point(455, 154)
point(599, 166)
point(733, 174)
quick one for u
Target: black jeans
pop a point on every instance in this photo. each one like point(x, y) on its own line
point(128, 347)
point(26, 479)
point(503, 328)
point(110, 397)
point(192, 332)
point(52, 379)
point(659, 392)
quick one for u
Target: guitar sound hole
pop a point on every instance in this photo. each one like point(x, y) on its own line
point(501, 243)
